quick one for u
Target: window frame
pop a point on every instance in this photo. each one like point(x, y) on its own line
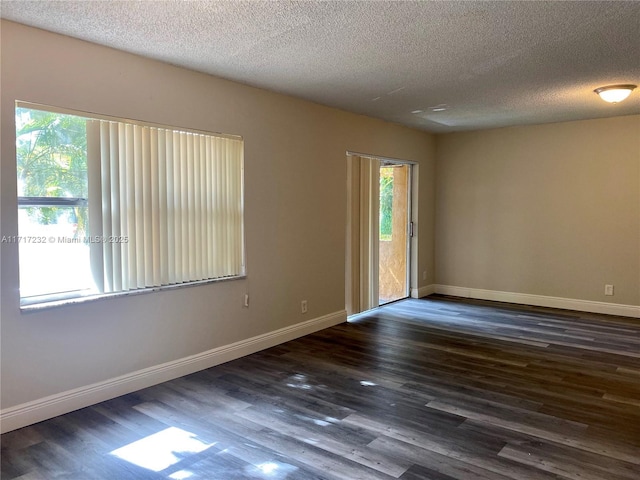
point(38, 302)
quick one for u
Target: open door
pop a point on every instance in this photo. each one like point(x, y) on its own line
point(395, 211)
point(378, 212)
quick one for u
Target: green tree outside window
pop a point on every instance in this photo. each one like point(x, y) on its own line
point(51, 151)
point(386, 204)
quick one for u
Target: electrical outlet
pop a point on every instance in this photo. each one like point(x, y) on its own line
point(246, 300)
point(304, 308)
point(424, 275)
point(608, 290)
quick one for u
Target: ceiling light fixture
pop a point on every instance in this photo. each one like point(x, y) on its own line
point(614, 93)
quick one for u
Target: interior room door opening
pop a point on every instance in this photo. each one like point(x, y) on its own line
point(379, 213)
point(394, 232)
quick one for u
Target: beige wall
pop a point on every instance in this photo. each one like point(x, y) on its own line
point(295, 179)
point(549, 210)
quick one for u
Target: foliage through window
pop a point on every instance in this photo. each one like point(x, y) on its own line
point(386, 203)
point(51, 153)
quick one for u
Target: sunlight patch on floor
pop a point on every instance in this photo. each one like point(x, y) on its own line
point(163, 449)
point(271, 470)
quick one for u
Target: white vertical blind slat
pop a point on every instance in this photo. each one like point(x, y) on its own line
point(184, 208)
point(231, 214)
point(237, 197)
point(138, 206)
point(155, 162)
point(116, 213)
point(202, 208)
point(163, 208)
point(218, 226)
point(119, 133)
point(108, 158)
point(94, 192)
point(130, 212)
point(197, 208)
point(190, 210)
point(225, 206)
point(147, 209)
point(208, 246)
point(177, 208)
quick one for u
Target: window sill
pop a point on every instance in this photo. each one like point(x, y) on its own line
point(48, 304)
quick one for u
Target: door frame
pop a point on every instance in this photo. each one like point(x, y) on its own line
point(409, 223)
point(412, 234)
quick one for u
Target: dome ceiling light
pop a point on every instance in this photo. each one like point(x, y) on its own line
point(614, 93)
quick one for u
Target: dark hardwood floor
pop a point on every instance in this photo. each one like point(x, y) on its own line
point(436, 389)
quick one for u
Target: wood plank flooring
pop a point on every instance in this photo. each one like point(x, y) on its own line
point(431, 389)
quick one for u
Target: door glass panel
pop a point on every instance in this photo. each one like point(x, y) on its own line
point(394, 219)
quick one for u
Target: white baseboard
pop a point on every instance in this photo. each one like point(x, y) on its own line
point(541, 300)
point(44, 408)
point(423, 291)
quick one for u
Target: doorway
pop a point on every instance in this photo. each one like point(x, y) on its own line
point(393, 257)
point(378, 231)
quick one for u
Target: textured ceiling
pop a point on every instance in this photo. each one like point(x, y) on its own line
point(490, 64)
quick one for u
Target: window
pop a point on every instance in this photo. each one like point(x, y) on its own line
point(386, 203)
point(109, 206)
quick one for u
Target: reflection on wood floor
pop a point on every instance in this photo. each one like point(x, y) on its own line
point(436, 388)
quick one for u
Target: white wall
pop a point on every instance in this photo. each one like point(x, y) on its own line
point(548, 210)
point(295, 180)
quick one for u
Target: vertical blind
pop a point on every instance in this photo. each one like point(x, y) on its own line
point(369, 232)
point(362, 290)
point(170, 205)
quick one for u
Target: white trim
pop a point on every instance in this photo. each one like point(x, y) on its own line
point(541, 300)
point(111, 118)
point(28, 304)
point(398, 161)
point(423, 291)
point(44, 408)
